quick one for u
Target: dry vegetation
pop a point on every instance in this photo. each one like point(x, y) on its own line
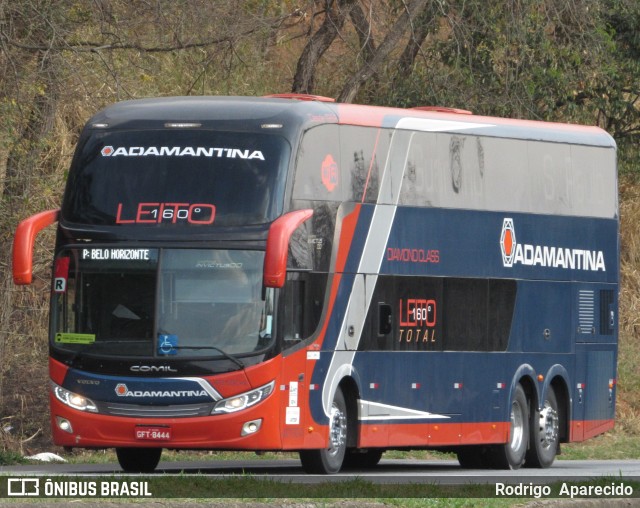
point(61, 61)
point(628, 408)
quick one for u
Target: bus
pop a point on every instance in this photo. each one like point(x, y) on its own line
point(288, 273)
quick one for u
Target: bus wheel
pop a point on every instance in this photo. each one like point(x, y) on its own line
point(544, 438)
point(329, 461)
point(138, 460)
point(511, 455)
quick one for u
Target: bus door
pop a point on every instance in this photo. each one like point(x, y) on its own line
point(595, 381)
point(299, 312)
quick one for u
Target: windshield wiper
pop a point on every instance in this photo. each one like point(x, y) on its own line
point(85, 349)
point(235, 360)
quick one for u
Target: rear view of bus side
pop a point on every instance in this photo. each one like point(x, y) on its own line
point(289, 273)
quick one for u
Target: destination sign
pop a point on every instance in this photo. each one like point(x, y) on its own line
point(118, 254)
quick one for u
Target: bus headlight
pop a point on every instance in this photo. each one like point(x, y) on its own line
point(73, 400)
point(244, 400)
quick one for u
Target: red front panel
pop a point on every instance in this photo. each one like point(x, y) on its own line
point(222, 431)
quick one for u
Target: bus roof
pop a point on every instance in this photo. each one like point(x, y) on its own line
point(299, 110)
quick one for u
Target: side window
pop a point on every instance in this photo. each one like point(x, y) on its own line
point(341, 163)
point(318, 167)
point(405, 315)
point(440, 314)
point(363, 156)
point(300, 306)
point(478, 314)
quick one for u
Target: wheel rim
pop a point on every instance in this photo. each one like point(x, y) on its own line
point(517, 426)
point(548, 426)
point(337, 430)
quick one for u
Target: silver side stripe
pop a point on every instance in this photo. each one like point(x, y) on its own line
point(431, 125)
point(376, 411)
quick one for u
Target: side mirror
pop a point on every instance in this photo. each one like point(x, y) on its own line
point(275, 258)
point(23, 241)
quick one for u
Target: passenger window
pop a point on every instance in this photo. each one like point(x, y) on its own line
point(318, 167)
point(300, 306)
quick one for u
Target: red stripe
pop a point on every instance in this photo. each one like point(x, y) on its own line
point(347, 230)
point(348, 227)
point(432, 434)
point(373, 158)
point(584, 429)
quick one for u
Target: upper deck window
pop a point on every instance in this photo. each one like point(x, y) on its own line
point(341, 163)
point(177, 178)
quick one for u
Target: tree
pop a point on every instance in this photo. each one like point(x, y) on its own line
point(335, 12)
point(381, 54)
point(373, 58)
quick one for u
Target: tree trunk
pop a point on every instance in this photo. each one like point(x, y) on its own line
point(335, 13)
point(421, 28)
point(369, 68)
point(364, 31)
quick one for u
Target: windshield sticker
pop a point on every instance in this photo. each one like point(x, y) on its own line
point(167, 213)
point(216, 265)
point(181, 151)
point(118, 254)
point(167, 344)
point(61, 275)
point(75, 338)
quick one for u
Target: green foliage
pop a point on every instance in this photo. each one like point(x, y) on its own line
point(9, 458)
point(572, 61)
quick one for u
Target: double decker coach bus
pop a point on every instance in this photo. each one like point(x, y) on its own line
point(290, 273)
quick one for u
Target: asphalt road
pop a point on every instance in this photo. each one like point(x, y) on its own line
point(388, 471)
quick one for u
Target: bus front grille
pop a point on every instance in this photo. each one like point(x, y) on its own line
point(143, 411)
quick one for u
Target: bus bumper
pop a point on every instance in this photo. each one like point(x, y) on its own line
point(255, 428)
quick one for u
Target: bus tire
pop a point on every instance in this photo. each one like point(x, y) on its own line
point(511, 455)
point(138, 460)
point(330, 460)
point(545, 433)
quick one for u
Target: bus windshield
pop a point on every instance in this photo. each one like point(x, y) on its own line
point(176, 177)
point(161, 303)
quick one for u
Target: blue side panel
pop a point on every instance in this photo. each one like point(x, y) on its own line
point(452, 387)
point(469, 245)
point(339, 310)
point(542, 318)
point(553, 280)
point(594, 390)
point(359, 238)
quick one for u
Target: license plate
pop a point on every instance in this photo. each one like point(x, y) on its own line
point(153, 433)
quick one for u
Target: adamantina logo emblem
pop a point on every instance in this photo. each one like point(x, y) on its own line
point(123, 391)
point(515, 253)
point(507, 242)
point(329, 173)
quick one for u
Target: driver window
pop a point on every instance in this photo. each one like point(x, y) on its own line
point(301, 303)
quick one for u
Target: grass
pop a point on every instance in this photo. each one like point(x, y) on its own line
point(10, 457)
point(615, 445)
